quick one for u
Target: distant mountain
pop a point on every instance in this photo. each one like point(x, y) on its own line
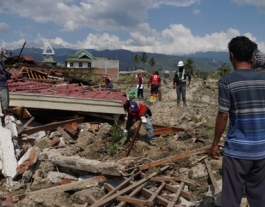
point(208, 61)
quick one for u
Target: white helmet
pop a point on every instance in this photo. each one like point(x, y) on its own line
point(180, 64)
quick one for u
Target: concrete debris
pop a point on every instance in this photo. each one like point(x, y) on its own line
point(60, 178)
point(7, 153)
point(61, 144)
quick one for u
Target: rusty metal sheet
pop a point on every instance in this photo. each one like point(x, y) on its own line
point(167, 130)
point(70, 129)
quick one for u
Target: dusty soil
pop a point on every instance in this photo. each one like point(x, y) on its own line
point(198, 120)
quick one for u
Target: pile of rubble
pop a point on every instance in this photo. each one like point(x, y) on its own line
point(78, 162)
point(61, 145)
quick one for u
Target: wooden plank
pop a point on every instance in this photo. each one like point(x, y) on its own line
point(134, 138)
point(26, 124)
point(174, 158)
point(168, 179)
point(119, 187)
point(134, 201)
point(217, 189)
point(147, 193)
point(183, 193)
point(152, 198)
point(129, 188)
point(91, 199)
point(172, 204)
point(52, 126)
point(64, 134)
point(135, 191)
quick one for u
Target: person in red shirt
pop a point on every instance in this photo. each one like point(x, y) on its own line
point(140, 86)
point(137, 111)
point(108, 81)
point(155, 82)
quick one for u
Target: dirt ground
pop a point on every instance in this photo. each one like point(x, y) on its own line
point(197, 118)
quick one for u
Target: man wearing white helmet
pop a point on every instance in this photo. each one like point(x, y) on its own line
point(179, 82)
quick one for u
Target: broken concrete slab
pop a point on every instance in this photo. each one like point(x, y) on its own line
point(7, 153)
point(79, 163)
point(60, 178)
point(28, 159)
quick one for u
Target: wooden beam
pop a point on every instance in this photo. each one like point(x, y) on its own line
point(129, 188)
point(134, 138)
point(217, 189)
point(52, 126)
point(174, 158)
point(147, 193)
point(119, 187)
point(134, 201)
point(91, 199)
point(155, 194)
point(135, 191)
point(26, 124)
point(183, 193)
point(172, 204)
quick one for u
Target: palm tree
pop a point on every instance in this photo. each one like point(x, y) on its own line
point(190, 66)
point(152, 62)
point(136, 59)
point(144, 58)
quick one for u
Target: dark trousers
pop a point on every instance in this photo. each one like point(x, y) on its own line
point(238, 175)
point(154, 90)
point(181, 91)
point(140, 93)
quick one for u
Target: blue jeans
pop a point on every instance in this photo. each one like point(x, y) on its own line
point(181, 91)
point(148, 127)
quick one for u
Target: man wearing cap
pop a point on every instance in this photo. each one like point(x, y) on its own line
point(140, 85)
point(4, 92)
point(137, 111)
point(179, 82)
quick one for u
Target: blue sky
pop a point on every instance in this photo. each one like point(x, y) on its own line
point(174, 27)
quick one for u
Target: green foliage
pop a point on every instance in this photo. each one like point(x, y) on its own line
point(203, 75)
point(189, 64)
point(116, 132)
point(224, 69)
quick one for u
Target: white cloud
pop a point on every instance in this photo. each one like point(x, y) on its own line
point(4, 27)
point(196, 11)
point(175, 40)
point(100, 15)
point(178, 3)
point(260, 4)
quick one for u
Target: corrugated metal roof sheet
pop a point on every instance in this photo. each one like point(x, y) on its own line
point(68, 91)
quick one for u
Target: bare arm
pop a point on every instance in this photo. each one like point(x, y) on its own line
point(220, 124)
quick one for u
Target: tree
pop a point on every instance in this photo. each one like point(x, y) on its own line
point(152, 62)
point(224, 69)
point(189, 65)
point(136, 59)
point(144, 57)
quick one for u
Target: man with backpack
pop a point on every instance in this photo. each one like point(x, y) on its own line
point(180, 83)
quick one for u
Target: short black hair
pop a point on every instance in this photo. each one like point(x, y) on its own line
point(242, 48)
point(156, 73)
point(126, 105)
